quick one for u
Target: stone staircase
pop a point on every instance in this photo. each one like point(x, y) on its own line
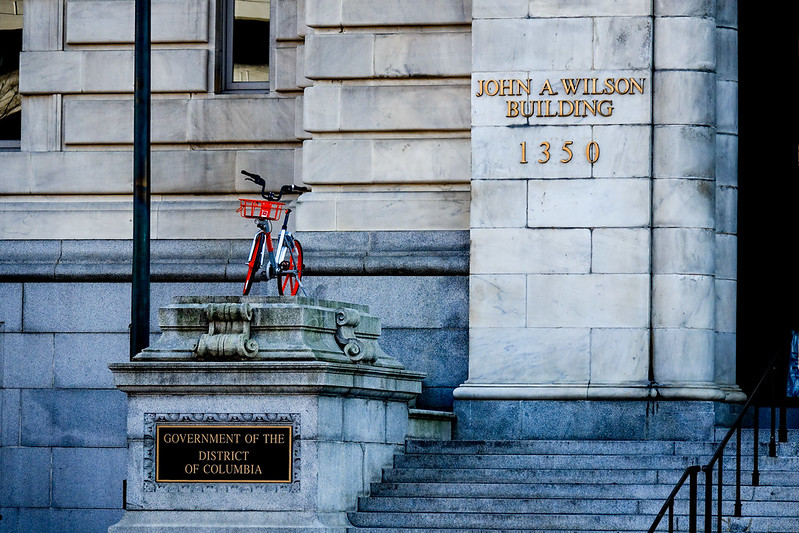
point(570, 486)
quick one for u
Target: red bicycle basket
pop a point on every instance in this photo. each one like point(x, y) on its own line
point(260, 209)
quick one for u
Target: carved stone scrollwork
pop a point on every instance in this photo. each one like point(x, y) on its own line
point(228, 334)
point(347, 320)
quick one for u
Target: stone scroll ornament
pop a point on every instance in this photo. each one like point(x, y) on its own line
point(228, 334)
point(347, 320)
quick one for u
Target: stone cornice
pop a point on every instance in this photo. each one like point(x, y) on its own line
point(326, 253)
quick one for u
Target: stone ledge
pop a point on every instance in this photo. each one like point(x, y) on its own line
point(326, 253)
point(699, 391)
point(430, 425)
point(267, 377)
point(231, 521)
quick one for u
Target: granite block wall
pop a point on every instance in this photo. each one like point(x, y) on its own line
point(62, 431)
point(65, 310)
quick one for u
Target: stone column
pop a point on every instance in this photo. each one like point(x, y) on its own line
point(726, 195)
point(683, 220)
point(593, 219)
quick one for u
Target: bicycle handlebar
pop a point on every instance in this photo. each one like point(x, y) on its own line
point(271, 195)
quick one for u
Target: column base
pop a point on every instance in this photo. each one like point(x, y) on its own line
point(652, 419)
point(699, 391)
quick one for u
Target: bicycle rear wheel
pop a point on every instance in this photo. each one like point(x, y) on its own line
point(288, 279)
point(254, 262)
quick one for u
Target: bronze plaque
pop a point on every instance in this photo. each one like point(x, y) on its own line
point(223, 454)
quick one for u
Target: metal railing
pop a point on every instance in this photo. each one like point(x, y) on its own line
point(717, 460)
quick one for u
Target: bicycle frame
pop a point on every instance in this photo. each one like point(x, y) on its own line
point(275, 255)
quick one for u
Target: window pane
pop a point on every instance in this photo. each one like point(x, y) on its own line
point(251, 41)
point(10, 47)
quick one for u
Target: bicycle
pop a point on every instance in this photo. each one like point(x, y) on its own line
point(284, 260)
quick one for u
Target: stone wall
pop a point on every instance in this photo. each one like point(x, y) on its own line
point(388, 113)
point(65, 219)
point(74, 170)
point(65, 307)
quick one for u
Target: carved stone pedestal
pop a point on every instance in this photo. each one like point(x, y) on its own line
point(259, 414)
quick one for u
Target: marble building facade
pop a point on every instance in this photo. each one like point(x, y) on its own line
point(532, 257)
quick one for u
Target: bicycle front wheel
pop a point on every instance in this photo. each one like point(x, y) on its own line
point(254, 263)
point(290, 272)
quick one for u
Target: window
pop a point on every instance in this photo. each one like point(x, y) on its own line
point(244, 61)
point(10, 47)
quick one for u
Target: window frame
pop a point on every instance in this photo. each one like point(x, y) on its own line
point(14, 145)
point(224, 70)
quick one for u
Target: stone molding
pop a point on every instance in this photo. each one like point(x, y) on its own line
point(267, 377)
point(696, 391)
point(326, 254)
point(267, 328)
point(228, 332)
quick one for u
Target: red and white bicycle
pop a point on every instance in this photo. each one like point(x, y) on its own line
point(281, 260)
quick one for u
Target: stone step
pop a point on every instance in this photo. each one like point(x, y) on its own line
point(524, 447)
point(468, 530)
point(471, 530)
point(503, 521)
point(501, 505)
point(583, 523)
point(549, 447)
point(583, 462)
point(520, 490)
point(545, 462)
point(783, 509)
point(570, 490)
point(567, 486)
point(519, 475)
point(765, 433)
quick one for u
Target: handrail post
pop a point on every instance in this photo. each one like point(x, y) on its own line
point(708, 498)
point(756, 438)
point(671, 517)
point(772, 443)
point(737, 511)
point(783, 422)
point(692, 502)
point(783, 436)
point(720, 495)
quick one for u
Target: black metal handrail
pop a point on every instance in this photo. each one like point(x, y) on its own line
point(691, 473)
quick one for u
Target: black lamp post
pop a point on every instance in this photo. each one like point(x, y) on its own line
point(140, 289)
